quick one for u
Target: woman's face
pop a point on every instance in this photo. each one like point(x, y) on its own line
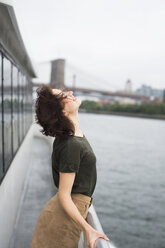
point(70, 103)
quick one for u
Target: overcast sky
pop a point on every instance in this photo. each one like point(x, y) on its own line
point(111, 40)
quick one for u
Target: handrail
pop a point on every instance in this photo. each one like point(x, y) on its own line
point(93, 220)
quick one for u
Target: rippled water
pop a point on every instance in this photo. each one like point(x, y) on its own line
point(129, 197)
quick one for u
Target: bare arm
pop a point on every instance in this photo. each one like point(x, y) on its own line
point(65, 187)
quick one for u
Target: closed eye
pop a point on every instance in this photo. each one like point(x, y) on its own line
point(62, 94)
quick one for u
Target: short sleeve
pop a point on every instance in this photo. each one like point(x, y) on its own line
point(69, 157)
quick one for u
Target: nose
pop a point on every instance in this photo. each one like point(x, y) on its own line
point(70, 92)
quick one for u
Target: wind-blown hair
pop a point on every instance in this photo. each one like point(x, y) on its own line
point(48, 113)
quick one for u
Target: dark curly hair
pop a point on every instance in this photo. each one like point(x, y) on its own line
point(48, 113)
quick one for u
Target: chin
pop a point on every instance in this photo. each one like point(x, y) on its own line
point(78, 100)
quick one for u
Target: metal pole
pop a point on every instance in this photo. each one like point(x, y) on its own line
point(74, 84)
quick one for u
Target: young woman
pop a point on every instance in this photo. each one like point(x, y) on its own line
point(62, 219)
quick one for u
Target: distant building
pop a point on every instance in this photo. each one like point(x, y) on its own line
point(146, 90)
point(163, 95)
point(127, 100)
point(157, 100)
point(128, 86)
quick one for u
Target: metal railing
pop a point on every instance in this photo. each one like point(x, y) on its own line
point(93, 220)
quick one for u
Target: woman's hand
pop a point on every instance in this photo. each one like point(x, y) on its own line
point(92, 235)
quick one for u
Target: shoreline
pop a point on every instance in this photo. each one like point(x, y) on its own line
point(157, 117)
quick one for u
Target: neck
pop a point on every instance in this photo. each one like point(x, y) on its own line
point(75, 119)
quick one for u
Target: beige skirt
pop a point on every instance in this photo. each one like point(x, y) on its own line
point(55, 228)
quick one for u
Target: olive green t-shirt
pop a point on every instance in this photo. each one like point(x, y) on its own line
point(74, 154)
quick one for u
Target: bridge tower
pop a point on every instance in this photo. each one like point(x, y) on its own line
point(57, 73)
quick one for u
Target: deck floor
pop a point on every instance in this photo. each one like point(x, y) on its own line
point(38, 189)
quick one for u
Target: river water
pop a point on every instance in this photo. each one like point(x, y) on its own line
point(129, 197)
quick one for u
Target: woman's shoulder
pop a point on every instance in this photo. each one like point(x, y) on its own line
point(67, 142)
